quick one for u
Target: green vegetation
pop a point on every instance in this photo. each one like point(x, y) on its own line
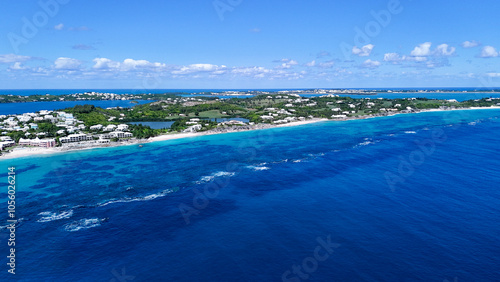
point(194, 114)
point(255, 109)
point(140, 131)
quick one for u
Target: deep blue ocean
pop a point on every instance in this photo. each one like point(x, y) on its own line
point(403, 198)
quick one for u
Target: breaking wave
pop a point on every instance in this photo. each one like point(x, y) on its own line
point(51, 216)
point(211, 177)
point(83, 224)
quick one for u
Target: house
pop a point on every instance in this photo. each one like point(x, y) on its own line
point(193, 128)
point(122, 127)
point(96, 127)
point(339, 116)
point(110, 127)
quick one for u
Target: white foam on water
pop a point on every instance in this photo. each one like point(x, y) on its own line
point(211, 177)
point(257, 168)
point(138, 199)
point(85, 223)
point(51, 216)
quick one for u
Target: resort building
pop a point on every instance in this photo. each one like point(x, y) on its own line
point(75, 138)
point(5, 144)
point(120, 134)
point(44, 143)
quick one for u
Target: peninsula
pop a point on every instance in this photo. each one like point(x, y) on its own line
point(87, 126)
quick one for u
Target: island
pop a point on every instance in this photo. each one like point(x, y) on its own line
point(87, 126)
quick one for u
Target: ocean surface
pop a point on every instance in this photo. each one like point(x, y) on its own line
point(403, 198)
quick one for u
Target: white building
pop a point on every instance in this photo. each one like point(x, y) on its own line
point(75, 138)
point(122, 127)
point(96, 127)
point(44, 143)
point(193, 128)
point(339, 116)
point(120, 134)
point(110, 127)
point(6, 143)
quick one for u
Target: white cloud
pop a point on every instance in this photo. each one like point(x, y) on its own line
point(64, 63)
point(445, 50)
point(422, 50)
point(327, 64)
point(129, 64)
point(394, 57)
point(251, 71)
point(370, 64)
point(12, 58)
point(284, 60)
point(198, 68)
point(364, 51)
point(262, 72)
point(311, 64)
point(288, 64)
point(104, 63)
point(493, 74)
point(17, 66)
point(255, 30)
point(219, 72)
point(488, 52)
point(126, 65)
point(59, 26)
point(470, 44)
point(416, 59)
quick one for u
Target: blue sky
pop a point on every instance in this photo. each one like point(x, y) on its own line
point(249, 44)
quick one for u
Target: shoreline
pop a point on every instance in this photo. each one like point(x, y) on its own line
point(29, 152)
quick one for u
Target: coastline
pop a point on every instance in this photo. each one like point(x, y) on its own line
point(29, 152)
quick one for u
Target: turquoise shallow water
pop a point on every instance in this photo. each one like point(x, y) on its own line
point(403, 198)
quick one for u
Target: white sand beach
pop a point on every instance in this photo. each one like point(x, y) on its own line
point(27, 152)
